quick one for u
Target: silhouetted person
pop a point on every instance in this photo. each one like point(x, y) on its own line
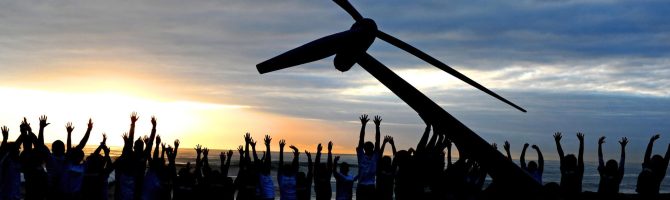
point(653, 171)
point(247, 178)
point(610, 174)
point(534, 169)
point(97, 172)
point(385, 172)
point(228, 186)
point(506, 146)
point(265, 184)
point(286, 175)
point(10, 184)
point(323, 173)
point(71, 182)
point(368, 156)
point(344, 181)
point(304, 181)
point(572, 168)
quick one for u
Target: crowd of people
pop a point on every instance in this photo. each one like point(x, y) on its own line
point(146, 169)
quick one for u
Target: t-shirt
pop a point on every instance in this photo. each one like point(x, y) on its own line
point(287, 187)
point(537, 176)
point(266, 186)
point(344, 186)
point(10, 185)
point(151, 186)
point(73, 177)
point(367, 167)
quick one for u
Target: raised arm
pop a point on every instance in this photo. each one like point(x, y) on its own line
point(557, 138)
point(317, 159)
point(224, 169)
point(247, 141)
point(268, 158)
point(158, 144)
point(102, 145)
point(131, 132)
point(329, 163)
point(361, 139)
point(386, 140)
point(152, 137)
point(424, 139)
point(647, 153)
point(622, 162)
point(296, 158)
point(601, 163)
point(253, 148)
point(69, 127)
point(310, 167)
point(282, 143)
point(378, 121)
point(43, 124)
point(337, 175)
point(82, 142)
point(5, 136)
point(522, 159)
point(506, 147)
point(580, 157)
point(392, 146)
point(540, 159)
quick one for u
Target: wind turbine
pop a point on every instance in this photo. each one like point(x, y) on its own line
point(349, 48)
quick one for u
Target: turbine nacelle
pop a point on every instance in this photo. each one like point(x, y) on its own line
point(365, 32)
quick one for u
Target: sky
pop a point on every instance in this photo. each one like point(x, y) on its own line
point(601, 67)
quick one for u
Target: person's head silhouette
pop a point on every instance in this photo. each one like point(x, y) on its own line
point(58, 148)
point(532, 166)
point(570, 162)
point(344, 168)
point(369, 148)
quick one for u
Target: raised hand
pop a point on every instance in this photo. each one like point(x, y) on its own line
point(535, 147)
point(282, 143)
point(240, 149)
point(153, 121)
point(267, 140)
point(5, 132)
point(90, 123)
point(319, 148)
point(387, 139)
point(601, 140)
point(623, 141)
point(205, 152)
point(176, 143)
point(69, 127)
point(377, 120)
point(247, 137)
point(104, 139)
point(309, 155)
point(252, 143)
point(230, 153)
point(43, 121)
point(525, 145)
point(134, 117)
point(158, 139)
point(557, 136)
point(506, 146)
point(364, 119)
point(145, 139)
point(222, 156)
point(198, 149)
point(655, 137)
point(106, 150)
point(494, 145)
point(124, 135)
point(25, 126)
point(295, 150)
point(580, 136)
point(330, 146)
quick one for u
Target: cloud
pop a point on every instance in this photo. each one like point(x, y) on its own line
point(594, 65)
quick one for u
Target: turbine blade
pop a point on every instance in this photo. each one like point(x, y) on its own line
point(313, 51)
point(423, 56)
point(344, 4)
